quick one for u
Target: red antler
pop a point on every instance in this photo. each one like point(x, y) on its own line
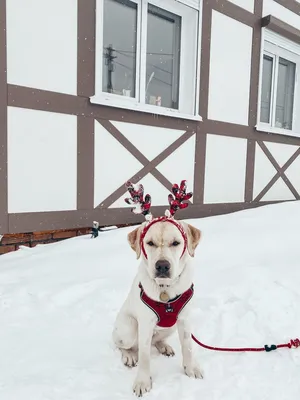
point(142, 206)
point(180, 196)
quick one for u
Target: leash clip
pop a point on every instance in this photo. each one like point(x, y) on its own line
point(270, 348)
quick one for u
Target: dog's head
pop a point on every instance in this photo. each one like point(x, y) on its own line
point(165, 245)
point(163, 242)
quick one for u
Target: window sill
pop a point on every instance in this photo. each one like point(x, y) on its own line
point(147, 108)
point(276, 131)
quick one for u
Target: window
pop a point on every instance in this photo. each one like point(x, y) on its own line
point(163, 58)
point(119, 47)
point(279, 89)
point(146, 55)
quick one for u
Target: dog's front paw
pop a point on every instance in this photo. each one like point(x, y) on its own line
point(193, 371)
point(142, 385)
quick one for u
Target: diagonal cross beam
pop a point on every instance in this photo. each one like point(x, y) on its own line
point(149, 166)
point(280, 172)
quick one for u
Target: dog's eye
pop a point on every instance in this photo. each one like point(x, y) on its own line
point(175, 243)
point(150, 243)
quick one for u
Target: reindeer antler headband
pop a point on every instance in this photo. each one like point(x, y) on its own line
point(143, 205)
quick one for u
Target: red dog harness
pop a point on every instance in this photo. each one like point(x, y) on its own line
point(167, 313)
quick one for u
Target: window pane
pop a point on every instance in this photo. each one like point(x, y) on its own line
point(285, 94)
point(265, 106)
point(163, 57)
point(119, 47)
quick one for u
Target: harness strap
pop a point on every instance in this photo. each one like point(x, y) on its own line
point(167, 313)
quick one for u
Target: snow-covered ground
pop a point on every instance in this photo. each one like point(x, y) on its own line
point(58, 303)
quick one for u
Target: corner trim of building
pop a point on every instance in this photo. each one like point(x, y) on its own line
point(3, 119)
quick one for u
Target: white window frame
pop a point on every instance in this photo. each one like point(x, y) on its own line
point(185, 87)
point(276, 46)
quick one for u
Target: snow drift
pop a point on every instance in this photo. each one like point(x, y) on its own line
point(58, 303)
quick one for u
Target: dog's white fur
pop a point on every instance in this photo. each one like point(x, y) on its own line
point(135, 327)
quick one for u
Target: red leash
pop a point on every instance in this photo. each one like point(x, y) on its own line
point(292, 344)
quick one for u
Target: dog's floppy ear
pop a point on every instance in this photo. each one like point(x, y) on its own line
point(134, 241)
point(193, 238)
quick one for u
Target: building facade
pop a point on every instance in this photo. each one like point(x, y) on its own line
point(96, 92)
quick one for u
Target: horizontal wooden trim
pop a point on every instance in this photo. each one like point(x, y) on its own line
point(282, 28)
point(245, 132)
point(233, 11)
point(226, 129)
point(44, 100)
point(275, 138)
point(39, 221)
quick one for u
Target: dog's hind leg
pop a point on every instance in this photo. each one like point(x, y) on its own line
point(159, 342)
point(165, 349)
point(125, 338)
point(129, 357)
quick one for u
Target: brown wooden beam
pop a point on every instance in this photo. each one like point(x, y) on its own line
point(291, 5)
point(282, 28)
point(40, 221)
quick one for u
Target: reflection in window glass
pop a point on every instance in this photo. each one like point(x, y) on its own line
point(119, 47)
point(266, 91)
point(163, 58)
point(285, 94)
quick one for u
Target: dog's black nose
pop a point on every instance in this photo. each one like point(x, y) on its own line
point(162, 267)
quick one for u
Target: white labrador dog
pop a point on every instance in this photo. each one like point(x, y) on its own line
point(158, 301)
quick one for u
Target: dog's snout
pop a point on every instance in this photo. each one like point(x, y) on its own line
point(162, 268)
